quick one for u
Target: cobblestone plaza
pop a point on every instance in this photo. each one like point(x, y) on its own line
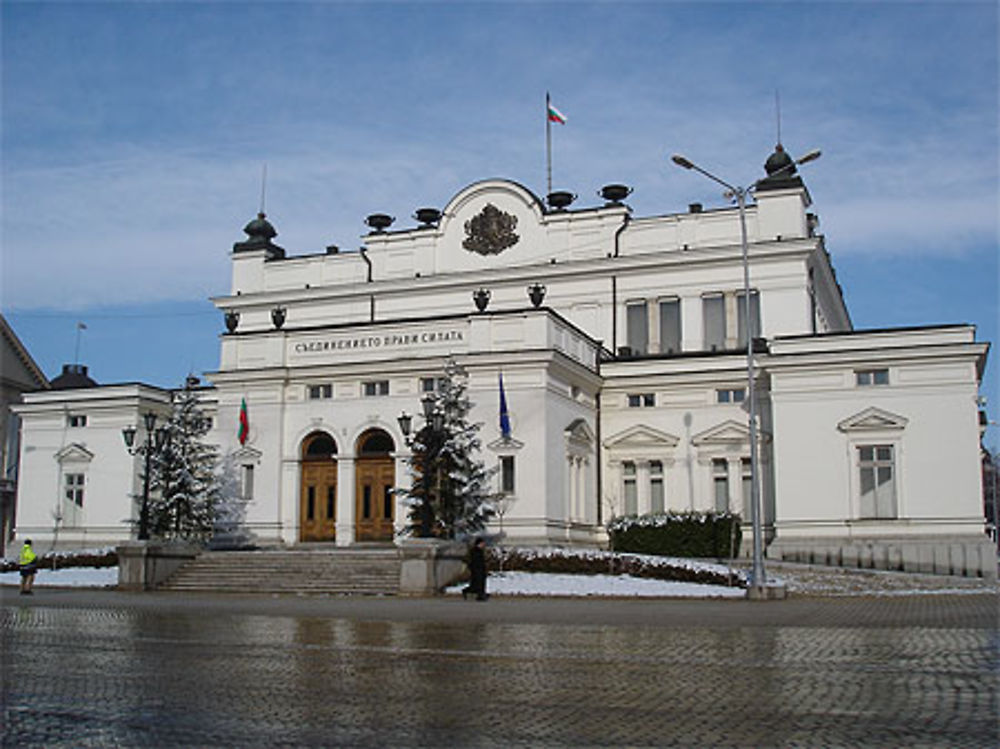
point(88, 669)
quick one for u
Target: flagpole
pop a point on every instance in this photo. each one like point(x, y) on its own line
point(548, 143)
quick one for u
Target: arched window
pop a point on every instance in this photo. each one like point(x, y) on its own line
point(375, 442)
point(318, 446)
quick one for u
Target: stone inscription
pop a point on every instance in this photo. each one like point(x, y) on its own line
point(387, 341)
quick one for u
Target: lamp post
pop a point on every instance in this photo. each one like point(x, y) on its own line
point(434, 421)
point(155, 437)
point(739, 195)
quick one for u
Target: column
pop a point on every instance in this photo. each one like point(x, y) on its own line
point(345, 500)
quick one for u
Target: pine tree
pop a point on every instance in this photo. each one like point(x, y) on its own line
point(450, 494)
point(184, 487)
point(231, 508)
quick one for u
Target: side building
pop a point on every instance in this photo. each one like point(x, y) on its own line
point(621, 344)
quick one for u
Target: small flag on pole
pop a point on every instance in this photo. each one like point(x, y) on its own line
point(555, 115)
point(504, 416)
point(244, 430)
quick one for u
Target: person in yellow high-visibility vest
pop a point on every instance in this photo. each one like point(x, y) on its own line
point(29, 565)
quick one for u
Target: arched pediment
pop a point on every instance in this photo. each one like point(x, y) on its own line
point(872, 419)
point(500, 192)
point(641, 437)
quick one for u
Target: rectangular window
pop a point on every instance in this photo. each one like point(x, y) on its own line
point(637, 324)
point(630, 489)
point(376, 387)
point(670, 326)
point(311, 503)
point(741, 317)
point(733, 395)
point(868, 377)
point(714, 311)
point(720, 482)
point(878, 487)
point(431, 384)
point(74, 488)
point(747, 476)
point(656, 486)
point(317, 392)
point(507, 474)
point(641, 400)
point(76, 420)
point(247, 483)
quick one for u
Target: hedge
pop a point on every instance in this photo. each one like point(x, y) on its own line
point(704, 535)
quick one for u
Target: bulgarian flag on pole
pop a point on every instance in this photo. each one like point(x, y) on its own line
point(244, 431)
point(555, 115)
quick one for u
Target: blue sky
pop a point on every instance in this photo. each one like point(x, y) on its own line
point(133, 136)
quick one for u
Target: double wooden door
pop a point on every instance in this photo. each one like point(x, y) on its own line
point(318, 503)
point(374, 499)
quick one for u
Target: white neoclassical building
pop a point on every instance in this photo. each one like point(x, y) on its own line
point(621, 345)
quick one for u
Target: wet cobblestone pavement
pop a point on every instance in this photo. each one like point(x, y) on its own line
point(106, 670)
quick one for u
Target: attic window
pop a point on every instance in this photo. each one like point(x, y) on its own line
point(76, 420)
point(869, 377)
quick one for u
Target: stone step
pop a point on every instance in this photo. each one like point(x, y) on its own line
point(338, 572)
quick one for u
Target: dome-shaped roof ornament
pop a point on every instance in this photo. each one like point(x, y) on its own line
point(781, 171)
point(259, 233)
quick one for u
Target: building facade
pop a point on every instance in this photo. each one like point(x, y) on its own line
point(621, 343)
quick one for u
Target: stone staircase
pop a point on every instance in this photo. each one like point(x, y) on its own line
point(354, 571)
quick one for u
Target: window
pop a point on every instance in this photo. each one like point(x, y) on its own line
point(637, 324)
point(431, 384)
point(714, 311)
point(320, 391)
point(507, 474)
point(630, 489)
point(656, 486)
point(878, 487)
point(747, 476)
point(741, 315)
point(670, 326)
point(868, 377)
point(720, 481)
point(735, 395)
point(74, 488)
point(376, 387)
point(246, 488)
point(641, 400)
point(76, 420)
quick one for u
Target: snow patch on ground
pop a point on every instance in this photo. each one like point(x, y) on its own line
point(546, 584)
point(69, 577)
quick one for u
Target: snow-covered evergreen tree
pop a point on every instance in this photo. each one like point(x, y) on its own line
point(184, 486)
point(450, 494)
point(231, 509)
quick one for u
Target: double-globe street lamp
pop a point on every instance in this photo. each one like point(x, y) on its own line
point(739, 195)
point(155, 438)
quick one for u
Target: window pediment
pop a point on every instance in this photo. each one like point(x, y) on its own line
point(873, 419)
point(641, 437)
point(728, 432)
point(74, 453)
point(247, 454)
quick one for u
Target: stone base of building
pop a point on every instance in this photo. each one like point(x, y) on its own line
point(962, 556)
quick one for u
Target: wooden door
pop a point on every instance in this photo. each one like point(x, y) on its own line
point(318, 503)
point(374, 500)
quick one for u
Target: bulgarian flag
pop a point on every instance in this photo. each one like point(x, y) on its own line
point(555, 115)
point(244, 431)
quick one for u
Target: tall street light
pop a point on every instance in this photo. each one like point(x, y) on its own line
point(153, 436)
point(739, 195)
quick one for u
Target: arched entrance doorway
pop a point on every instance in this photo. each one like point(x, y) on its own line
point(375, 472)
point(318, 495)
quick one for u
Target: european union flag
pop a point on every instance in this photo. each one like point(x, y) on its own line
point(504, 417)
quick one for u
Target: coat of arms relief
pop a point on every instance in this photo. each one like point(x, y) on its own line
point(490, 232)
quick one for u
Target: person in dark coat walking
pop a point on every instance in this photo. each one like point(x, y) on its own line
point(477, 571)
